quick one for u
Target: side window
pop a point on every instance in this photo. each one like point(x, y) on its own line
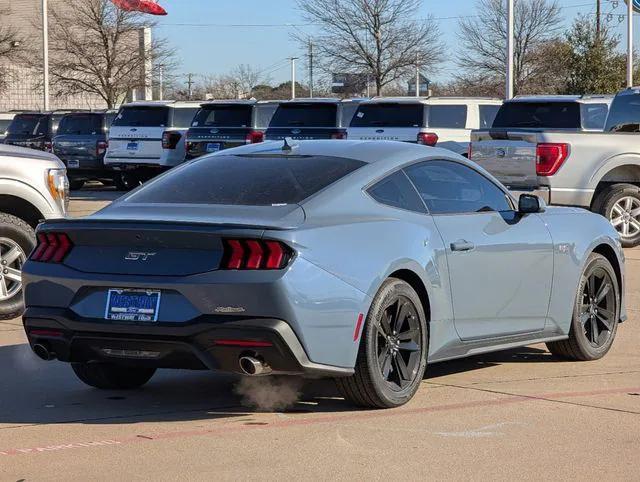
point(396, 191)
point(449, 187)
point(182, 117)
point(448, 116)
point(487, 114)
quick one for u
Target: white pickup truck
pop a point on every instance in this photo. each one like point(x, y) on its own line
point(599, 171)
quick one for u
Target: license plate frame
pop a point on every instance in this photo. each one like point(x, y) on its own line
point(118, 306)
point(73, 164)
point(213, 147)
point(133, 146)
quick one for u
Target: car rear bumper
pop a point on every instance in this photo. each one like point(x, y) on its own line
point(210, 342)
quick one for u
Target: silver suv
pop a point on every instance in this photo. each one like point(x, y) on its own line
point(33, 187)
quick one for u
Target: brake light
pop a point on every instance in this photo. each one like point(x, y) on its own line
point(550, 157)
point(427, 138)
point(101, 147)
point(170, 139)
point(339, 135)
point(47, 146)
point(469, 150)
point(51, 248)
point(254, 137)
point(254, 254)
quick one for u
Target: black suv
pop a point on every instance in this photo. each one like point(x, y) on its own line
point(34, 130)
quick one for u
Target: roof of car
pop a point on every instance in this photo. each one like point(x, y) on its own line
point(160, 103)
point(433, 100)
point(312, 100)
point(585, 99)
point(229, 102)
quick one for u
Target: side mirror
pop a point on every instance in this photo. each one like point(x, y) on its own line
point(528, 203)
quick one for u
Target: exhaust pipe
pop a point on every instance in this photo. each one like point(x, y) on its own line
point(42, 351)
point(253, 367)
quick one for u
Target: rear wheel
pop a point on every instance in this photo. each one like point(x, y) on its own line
point(76, 184)
point(126, 181)
point(110, 376)
point(620, 204)
point(595, 314)
point(393, 350)
point(17, 239)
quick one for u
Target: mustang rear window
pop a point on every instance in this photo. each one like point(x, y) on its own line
point(246, 180)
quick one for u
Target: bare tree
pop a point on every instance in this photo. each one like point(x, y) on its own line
point(483, 40)
point(11, 46)
point(94, 48)
point(380, 38)
point(239, 83)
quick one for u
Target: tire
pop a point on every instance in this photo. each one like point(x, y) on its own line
point(108, 376)
point(14, 234)
point(589, 336)
point(620, 204)
point(126, 181)
point(368, 387)
point(76, 184)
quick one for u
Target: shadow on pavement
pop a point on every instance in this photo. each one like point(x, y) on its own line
point(36, 392)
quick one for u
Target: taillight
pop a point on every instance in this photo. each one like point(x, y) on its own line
point(51, 248)
point(254, 137)
point(550, 157)
point(101, 147)
point(469, 150)
point(428, 138)
point(170, 139)
point(255, 254)
point(47, 146)
point(339, 135)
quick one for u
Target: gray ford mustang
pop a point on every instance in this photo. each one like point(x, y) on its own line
point(361, 261)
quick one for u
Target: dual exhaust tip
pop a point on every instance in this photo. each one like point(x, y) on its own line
point(43, 352)
point(253, 367)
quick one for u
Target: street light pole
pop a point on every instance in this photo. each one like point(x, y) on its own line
point(509, 76)
point(45, 52)
point(417, 75)
point(629, 43)
point(293, 77)
point(160, 82)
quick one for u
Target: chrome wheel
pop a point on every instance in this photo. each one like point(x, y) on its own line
point(12, 258)
point(598, 308)
point(399, 343)
point(625, 216)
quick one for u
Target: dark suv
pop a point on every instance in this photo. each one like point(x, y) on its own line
point(81, 143)
point(34, 130)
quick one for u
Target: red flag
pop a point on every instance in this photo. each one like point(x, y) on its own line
point(144, 6)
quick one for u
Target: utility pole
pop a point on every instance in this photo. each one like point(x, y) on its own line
point(509, 76)
point(293, 77)
point(417, 75)
point(190, 85)
point(45, 52)
point(310, 68)
point(160, 82)
point(629, 43)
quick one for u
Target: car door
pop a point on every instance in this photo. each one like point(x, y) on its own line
point(500, 262)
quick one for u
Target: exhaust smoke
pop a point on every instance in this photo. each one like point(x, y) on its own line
point(269, 393)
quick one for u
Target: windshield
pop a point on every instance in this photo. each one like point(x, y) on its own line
point(305, 115)
point(247, 180)
point(142, 116)
point(539, 115)
point(29, 125)
point(223, 116)
point(81, 124)
point(389, 115)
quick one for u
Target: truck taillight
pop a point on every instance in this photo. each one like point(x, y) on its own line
point(339, 135)
point(170, 139)
point(550, 157)
point(101, 147)
point(51, 248)
point(427, 138)
point(254, 137)
point(254, 254)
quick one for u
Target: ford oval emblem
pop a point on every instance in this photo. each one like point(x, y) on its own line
point(134, 129)
point(295, 131)
point(501, 153)
point(214, 131)
point(379, 131)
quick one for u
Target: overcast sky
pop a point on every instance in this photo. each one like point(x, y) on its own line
point(225, 38)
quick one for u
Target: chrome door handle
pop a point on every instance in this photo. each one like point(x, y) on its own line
point(462, 245)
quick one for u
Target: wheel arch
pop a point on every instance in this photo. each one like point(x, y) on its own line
point(20, 208)
point(623, 173)
point(413, 280)
point(609, 253)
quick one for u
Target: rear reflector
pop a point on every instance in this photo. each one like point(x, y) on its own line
point(51, 248)
point(243, 343)
point(550, 157)
point(170, 139)
point(254, 254)
point(53, 333)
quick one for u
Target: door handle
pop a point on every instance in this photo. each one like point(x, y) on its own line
point(462, 245)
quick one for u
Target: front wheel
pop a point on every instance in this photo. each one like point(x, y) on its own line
point(111, 376)
point(392, 356)
point(595, 313)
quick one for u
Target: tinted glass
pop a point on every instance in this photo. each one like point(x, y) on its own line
point(183, 117)
point(223, 116)
point(448, 116)
point(389, 115)
point(448, 187)
point(487, 114)
point(142, 116)
point(81, 124)
point(264, 114)
point(109, 119)
point(594, 116)
point(3, 125)
point(540, 115)
point(348, 111)
point(397, 191)
point(305, 115)
point(624, 115)
point(29, 125)
point(250, 180)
